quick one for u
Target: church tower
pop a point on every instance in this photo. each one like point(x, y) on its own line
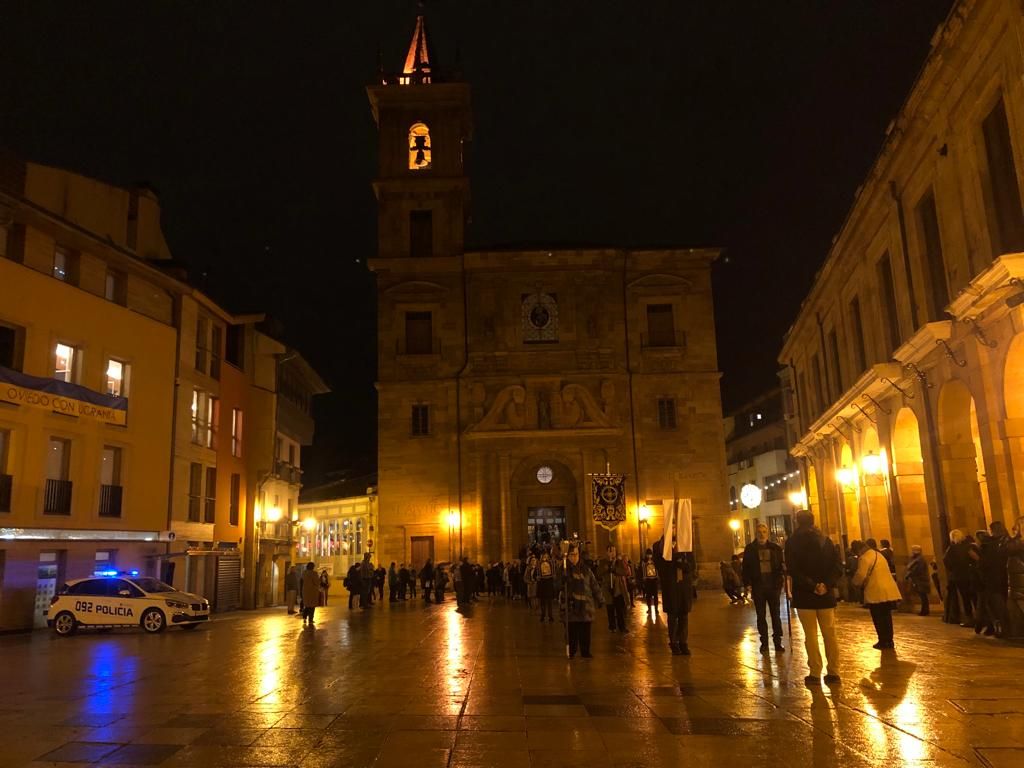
point(423, 119)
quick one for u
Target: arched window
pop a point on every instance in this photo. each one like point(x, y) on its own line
point(419, 147)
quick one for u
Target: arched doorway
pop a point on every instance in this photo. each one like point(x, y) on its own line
point(545, 508)
point(908, 469)
point(847, 478)
point(963, 466)
point(1013, 398)
point(873, 486)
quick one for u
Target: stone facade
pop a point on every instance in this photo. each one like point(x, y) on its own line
point(905, 366)
point(497, 364)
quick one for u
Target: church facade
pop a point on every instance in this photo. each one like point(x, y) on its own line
point(507, 378)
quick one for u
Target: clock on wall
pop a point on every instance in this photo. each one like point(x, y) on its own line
point(750, 495)
point(545, 475)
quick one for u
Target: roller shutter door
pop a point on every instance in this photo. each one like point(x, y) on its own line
point(229, 584)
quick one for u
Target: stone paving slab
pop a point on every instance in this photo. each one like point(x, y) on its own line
point(415, 685)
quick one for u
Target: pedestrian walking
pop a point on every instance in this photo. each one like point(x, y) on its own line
point(582, 594)
point(815, 570)
point(403, 581)
point(545, 586)
point(353, 583)
point(367, 577)
point(675, 573)
point(881, 593)
point(650, 580)
point(392, 583)
point(325, 586)
point(763, 574)
point(611, 574)
point(959, 608)
point(310, 593)
point(918, 578)
point(292, 583)
point(427, 580)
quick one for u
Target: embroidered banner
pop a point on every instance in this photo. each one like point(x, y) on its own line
point(609, 499)
point(61, 397)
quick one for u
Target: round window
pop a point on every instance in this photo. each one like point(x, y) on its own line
point(545, 475)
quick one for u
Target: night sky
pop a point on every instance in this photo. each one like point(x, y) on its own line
point(745, 125)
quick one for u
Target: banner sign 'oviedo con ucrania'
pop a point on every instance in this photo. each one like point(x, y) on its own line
point(61, 397)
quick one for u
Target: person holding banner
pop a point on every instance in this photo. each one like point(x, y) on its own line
point(673, 559)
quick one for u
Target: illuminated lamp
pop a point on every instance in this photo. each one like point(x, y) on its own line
point(750, 495)
point(846, 476)
point(798, 499)
point(872, 464)
point(453, 519)
point(643, 514)
point(734, 524)
point(274, 514)
point(309, 523)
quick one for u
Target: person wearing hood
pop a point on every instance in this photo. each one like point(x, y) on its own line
point(675, 572)
point(881, 594)
point(649, 574)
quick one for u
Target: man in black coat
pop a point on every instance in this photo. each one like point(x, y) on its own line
point(676, 576)
point(815, 569)
point(763, 573)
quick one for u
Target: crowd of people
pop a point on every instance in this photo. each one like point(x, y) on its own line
point(985, 580)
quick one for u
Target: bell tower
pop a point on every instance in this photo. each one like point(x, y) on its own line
point(423, 119)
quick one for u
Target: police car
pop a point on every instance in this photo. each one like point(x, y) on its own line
point(111, 599)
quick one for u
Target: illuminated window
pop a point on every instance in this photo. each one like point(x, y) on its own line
point(64, 363)
point(236, 432)
point(60, 264)
point(205, 412)
point(419, 147)
point(117, 378)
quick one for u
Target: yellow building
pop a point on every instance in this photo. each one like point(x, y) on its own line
point(507, 378)
point(86, 384)
point(337, 523)
point(142, 426)
point(905, 366)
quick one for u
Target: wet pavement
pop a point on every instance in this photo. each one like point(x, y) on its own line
point(424, 686)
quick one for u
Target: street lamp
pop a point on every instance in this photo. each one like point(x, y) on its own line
point(734, 524)
point(798, 499)
point(847, 476)
point(872, 464)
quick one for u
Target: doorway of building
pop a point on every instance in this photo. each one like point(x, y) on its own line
point(545, 525)
point(422, 550)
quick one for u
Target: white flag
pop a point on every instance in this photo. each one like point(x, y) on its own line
point(678, 523)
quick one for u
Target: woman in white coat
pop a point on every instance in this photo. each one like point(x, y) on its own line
point(881, 594)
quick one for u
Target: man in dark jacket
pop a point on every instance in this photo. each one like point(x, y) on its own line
point(763, 574)
point(676, 575)
point(994, 578)
point(815, 569)
point(918, 578)
point(366, 578)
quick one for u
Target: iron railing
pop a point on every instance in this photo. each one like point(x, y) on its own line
point(57, 497)
point(110, 500)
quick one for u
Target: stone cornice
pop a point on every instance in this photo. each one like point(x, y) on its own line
point(922, 344)
point(985, 290)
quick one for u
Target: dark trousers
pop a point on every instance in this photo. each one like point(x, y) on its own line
point(579, 637)
point(366, 596)
point(925, 603)
point(995, 603)
point(678, 628)
point(766, 600)
point(617, 613)
point(307, 613)
point(651, 593)
point(545, 608)
point(881, 616)
point(393, 593)
point(351, 597)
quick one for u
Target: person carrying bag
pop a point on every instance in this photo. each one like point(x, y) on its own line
point(881, 593)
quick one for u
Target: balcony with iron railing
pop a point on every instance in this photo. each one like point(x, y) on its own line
point(57, 497)
point(6, 486)
point(280, 530)
point(288, 472)
point(110, 500)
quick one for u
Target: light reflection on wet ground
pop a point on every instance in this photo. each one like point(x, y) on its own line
point(424, 685)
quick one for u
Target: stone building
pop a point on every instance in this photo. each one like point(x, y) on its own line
point(904, 369)
point(506, 377)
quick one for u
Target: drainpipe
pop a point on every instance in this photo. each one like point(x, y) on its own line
point(629, 379)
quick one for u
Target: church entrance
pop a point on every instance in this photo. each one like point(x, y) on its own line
point(545, 526)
